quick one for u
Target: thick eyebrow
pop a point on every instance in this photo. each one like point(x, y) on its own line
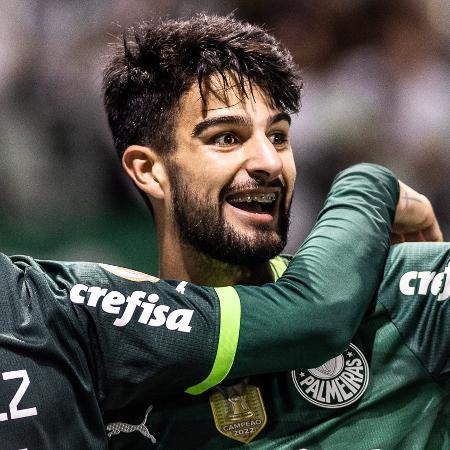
point(235, 120)
point(279, 117)
point(224, 120)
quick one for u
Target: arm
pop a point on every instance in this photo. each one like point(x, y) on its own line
point(317, 305)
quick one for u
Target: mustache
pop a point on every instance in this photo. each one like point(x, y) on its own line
point(252, 184)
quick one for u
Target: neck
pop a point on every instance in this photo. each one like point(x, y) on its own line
point(185, 263)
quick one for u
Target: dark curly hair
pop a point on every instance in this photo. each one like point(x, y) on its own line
point(156, 63)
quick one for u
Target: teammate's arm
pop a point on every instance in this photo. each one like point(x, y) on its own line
point(319, 302)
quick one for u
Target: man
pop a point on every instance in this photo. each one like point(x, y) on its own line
point(198, 111)
point(82, 341)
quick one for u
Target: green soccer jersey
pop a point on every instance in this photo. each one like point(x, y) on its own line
point(81, 344)
point(390, 389)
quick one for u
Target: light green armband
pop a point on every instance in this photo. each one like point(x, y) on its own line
point(230, 321)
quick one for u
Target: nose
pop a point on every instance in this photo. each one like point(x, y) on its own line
point(263, 160)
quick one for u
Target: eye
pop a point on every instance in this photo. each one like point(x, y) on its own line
point(225, 139)
point(278, 139)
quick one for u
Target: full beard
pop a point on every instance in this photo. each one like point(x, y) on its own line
point(201, 224)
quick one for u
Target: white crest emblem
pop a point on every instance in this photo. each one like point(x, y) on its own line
point(337, 383)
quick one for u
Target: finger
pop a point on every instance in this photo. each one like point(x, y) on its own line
point(397, 238)
point(416, 236)
point(433, 233)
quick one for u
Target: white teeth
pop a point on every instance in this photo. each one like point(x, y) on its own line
point(260, 198)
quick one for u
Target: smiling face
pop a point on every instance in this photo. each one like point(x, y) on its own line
point(231, 177)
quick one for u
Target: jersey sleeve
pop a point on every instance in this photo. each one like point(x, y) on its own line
point(416, 294)
point(313, 311)
point(125, 334)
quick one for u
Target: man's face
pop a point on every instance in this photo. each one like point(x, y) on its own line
point(232, 177)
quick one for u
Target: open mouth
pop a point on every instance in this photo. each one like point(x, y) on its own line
point(254, 202)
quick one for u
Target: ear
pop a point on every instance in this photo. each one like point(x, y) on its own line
point(144, 166)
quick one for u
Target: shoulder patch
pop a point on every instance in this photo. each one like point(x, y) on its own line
point(129, 274)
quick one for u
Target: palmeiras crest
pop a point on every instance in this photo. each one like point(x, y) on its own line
point(337, 383)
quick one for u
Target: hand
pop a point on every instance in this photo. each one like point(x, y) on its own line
point(414, 218)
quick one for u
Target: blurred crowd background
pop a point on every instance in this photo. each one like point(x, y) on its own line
point(377, 88)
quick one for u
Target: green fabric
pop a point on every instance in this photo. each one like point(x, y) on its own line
point(230, 316)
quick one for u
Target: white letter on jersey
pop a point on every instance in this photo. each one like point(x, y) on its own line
point(405, 283)
point(445, 294)
point(425, 279)
point(179, 320)
point(181, 286)
point(147, 308)
point(19, 413)
point(132, 302)
point(159, 316)
point(95, 293)
point(436, 285)
point(112, 301)
point(75, 293)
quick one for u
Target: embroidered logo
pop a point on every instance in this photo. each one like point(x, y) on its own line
point(238, 411)
point(337, 383)
point(120, 427)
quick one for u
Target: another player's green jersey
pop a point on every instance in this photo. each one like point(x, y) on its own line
point(390, 389)
point(81, 343)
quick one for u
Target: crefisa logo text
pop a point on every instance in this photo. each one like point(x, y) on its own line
point(139, 305)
